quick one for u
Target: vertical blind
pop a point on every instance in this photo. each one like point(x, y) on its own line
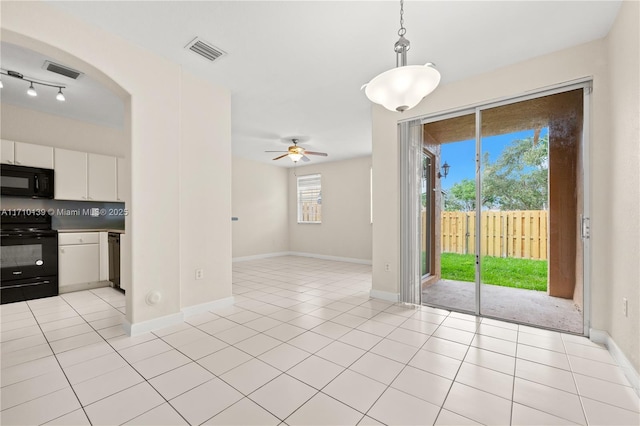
point(309, 199)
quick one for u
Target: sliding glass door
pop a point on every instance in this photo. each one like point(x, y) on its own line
point(509, 231)
point(451, 220)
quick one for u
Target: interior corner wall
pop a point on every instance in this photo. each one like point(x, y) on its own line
point(156, 102)
point(616, 252)
point(31, 126)
point(205, 191)
point(259, 201)
point(345, 231)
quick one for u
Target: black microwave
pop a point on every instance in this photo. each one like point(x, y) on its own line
point(21, 181)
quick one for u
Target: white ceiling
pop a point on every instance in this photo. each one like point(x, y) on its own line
point(295, 68)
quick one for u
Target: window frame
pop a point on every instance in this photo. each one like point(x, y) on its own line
point(299, 202)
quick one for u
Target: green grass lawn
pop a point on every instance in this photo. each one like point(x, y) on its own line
point(506, 272)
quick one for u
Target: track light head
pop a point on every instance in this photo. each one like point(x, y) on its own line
point(60, 95)
point(32, 91)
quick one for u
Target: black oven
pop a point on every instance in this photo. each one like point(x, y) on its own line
point(21, 181)
point(29, 257)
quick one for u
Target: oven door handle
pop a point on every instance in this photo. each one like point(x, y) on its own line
point(27, 285)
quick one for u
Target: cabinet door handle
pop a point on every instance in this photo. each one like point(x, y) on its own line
point(84, 198)
point(81, 240)
point(62, 250)
point(9, 162)
point(17, 162)
point(90, 198)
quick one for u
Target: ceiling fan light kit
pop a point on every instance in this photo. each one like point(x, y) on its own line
point(402, 88)
point(297, 153)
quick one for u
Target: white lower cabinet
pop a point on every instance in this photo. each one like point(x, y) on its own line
point(78, 260)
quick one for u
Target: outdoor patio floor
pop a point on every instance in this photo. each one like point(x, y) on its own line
point(510, 304)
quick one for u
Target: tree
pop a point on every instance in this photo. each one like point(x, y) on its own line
point(518, 180)
point(461, 196)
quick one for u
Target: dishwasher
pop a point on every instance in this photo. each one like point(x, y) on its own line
point(114, 260)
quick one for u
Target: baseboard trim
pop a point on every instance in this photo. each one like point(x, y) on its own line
point(602, 337)
point(303, 254)
point(260, 256)
point(384, 295)
point(209, 306)
point(334, 258)
point(141, 327)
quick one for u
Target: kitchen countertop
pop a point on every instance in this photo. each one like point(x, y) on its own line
point(118, 231)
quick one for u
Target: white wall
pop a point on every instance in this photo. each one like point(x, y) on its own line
point(613, 252)
point(259, 201)
point(27, 125)
point(345, 230)
point(157, 104)
point(616, 266)
point(205, 191)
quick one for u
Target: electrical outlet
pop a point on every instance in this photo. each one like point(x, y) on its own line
point(625, 307)
point(199, 274)
point(387, 267)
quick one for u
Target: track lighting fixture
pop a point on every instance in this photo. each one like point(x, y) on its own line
point(31, 91)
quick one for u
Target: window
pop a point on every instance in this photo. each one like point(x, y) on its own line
point(309, 199)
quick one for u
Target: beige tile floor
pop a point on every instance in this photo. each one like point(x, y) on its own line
point(303, 344)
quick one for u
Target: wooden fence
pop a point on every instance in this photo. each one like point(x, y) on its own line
point(310, 212)
point(521, 234)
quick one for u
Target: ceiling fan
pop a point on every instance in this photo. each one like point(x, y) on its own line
point(297, 153)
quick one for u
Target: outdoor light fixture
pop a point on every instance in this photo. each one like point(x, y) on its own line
point(31, 91)
point(403, 87)
point(445, 168)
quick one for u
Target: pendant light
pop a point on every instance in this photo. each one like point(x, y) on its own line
point(403, 87)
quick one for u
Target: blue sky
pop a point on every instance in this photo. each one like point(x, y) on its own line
point(461, 155)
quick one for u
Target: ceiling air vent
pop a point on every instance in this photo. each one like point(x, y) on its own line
point(61, 69)
point(205, 49)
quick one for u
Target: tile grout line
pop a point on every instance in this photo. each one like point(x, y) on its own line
point(55, 356)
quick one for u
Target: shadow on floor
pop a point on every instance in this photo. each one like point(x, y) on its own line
point(511, 304)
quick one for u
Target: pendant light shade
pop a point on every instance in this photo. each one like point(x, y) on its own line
point(402, 88)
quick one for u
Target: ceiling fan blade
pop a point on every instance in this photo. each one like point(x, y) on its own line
point(305, 158)
point(282, 156)
point(324, 154)
point(276, 151)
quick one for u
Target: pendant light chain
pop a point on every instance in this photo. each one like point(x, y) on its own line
point(402, 31)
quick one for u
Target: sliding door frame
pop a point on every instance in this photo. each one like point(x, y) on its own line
point(586, 85)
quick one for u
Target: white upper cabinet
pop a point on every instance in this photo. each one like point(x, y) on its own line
point(6, 152)
point(82, 176)
point(102, 177)
point(70, 175)
point(27, 154)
